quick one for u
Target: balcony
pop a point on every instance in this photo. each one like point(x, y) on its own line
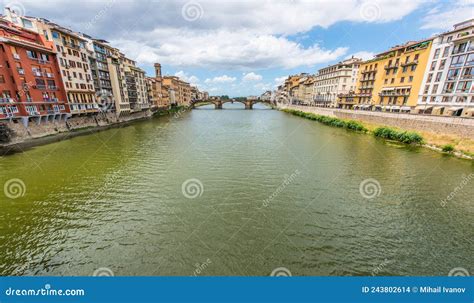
point(16, 57)
point(21, 71)
point(464, 36)
point(39, 86)
point(368, 71)
point(414, 62)
point(37, 74)
point(394, 94)
point(49, 75)
point(387, 67)
point(52, 87)
point(7, 100)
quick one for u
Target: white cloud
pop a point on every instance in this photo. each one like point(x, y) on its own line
point(217, 49)
point(444, 17)
point(364, 55)
point(220, 79)
point(280, 80)
point(185, 77)
point(251, 77)
point(228, 35)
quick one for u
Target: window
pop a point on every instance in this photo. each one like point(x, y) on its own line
point(402, 79)
point(416, 57)
point(446, 51)
point(392, 80)
point(31, 54)
point(436, 54)
point(433, 66)
point(453, 74)
point(468, 73)
point(430, 77)
point(470, 59)
point(413, 68)
point(442, 63)
point(464, 87)
point(435, 89)
point(404, 69)
point(2, 79)
point(438, 77)
point(458, 60)
point(410, 79)
point(55, 35)
point(427, 88)
point(448, 87)
point(460, 48)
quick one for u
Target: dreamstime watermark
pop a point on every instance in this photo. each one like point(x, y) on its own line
point(201, 267)
point(380, 267)
point(370, 188)
point(103, 272)
point(16, 8)
point(370, 11)
point(465, 181)
point(105, 101)
point(286, 181)
point(100, 14)
point(458, 272)
point(192, 188)
point(281, 272)
point(14, 188)
point(192, 11)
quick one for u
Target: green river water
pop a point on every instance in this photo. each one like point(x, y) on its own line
point(234, 192)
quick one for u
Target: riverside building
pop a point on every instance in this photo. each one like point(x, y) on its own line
point(31, 88)
point(334, 80)
point(447, 83)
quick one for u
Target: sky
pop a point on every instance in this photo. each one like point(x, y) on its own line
point(241, 48)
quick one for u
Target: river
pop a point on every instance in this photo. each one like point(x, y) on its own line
point(234, 192)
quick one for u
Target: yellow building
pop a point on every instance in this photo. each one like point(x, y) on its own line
point(390, 81)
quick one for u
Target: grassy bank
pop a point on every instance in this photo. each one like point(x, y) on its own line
point(443, 143)
point(336, 122)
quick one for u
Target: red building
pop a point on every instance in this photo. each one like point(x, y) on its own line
point(31, 89)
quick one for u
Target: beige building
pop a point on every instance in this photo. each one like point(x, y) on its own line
point(333, 80)
point(116, 68)
point(155, 89)
point(179, 91)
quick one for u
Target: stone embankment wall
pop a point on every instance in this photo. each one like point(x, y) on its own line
point(14, 133)
point(457, 126)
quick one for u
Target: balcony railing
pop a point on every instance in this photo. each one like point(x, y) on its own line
point(391, 66)
point(414, 62)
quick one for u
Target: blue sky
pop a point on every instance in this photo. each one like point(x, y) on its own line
point(245, 47)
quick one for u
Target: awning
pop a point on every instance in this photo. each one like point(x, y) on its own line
point(395, 107)
point(403, 87)
point(366, 106)
point(378, 106)
point(454, 109)
point(388, 88)
point(405, 108)
point(438, 107)
point(388, 107)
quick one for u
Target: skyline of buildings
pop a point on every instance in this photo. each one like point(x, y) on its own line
point(51, 72)
point(430, 76)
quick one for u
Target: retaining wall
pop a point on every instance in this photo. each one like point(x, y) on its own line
point(457, 126)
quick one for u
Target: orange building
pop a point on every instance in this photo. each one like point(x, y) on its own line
point(31, 87)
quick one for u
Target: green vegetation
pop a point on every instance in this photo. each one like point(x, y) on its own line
point(447, 148)
point(348, 124)
point(382, 132)
point(397, 135)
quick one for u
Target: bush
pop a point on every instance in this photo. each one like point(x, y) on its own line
point(336, 122)
point(404, 137)
point(448, 148)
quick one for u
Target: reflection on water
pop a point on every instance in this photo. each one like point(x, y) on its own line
point(268, 190)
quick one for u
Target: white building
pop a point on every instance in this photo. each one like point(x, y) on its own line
point(447, 83)
point(340, 78)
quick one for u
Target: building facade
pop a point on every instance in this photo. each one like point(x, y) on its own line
point(391, 80)
point(334, 80)
point(31, 87)
point(447, 83)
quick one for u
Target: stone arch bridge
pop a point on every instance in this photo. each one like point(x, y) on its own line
point(218, 103)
